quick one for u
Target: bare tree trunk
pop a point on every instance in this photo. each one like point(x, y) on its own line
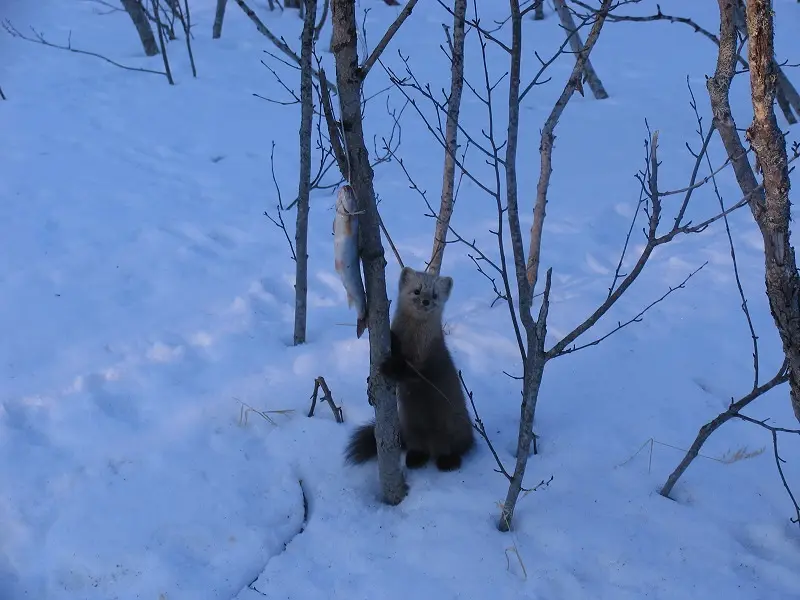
point(451, 137)
point(304, 187)
point(219, 17)
point(324, 17)
point(161, 43)
point(186, 21)
point(381, 392)
point(138, 15)
point(786, 94)
point(782, 278)
point(771, 209)
point(527, 273)
point(576, 44)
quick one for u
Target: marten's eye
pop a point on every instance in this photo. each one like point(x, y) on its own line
point(416, 292)
point(435, 295)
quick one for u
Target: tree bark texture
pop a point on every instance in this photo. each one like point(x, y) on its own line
point(451, 137)
point(219, 17)
point(304, 187)
point(381, 392)
point(770, 208)
point(782, 279)
point(577, 45)
point(138, 15)
point(786, 94)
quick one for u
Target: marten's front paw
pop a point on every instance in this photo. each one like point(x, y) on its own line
point(392, 368)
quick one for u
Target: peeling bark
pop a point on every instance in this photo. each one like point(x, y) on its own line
point(782, 279)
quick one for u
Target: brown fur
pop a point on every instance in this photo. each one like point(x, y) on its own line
point(434, 421)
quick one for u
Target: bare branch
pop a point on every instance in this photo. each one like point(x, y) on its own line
point(706, 430)
point(778, 460)
point(387, 37)
point(478, 426)
point(635, 319)
point(546, 147)
point(279, 42)
point(319, 383)
point(161, 43)
point(589, 74)
point(40, 39)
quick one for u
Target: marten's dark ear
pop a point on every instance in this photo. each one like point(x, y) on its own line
point(406, 274)
point(445, 285)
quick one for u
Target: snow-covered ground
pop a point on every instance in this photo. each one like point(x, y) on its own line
point(145, 299)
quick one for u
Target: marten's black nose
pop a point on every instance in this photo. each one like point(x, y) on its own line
point(426, 302)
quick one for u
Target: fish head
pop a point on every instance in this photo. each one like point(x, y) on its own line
point(423, 292)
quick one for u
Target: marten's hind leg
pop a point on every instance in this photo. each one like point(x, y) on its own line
point(416, 459)
point(448, 462)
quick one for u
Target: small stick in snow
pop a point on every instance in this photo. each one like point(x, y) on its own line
point(319, 382)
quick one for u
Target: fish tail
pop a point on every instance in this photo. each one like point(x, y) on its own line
point(361, 326)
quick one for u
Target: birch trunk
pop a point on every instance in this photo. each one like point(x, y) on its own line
point(139, 17)
point(304, 187)
point(381, 392)
point(219, 17)
point(451, 138)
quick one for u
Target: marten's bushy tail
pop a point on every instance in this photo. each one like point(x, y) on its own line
point(362, 445)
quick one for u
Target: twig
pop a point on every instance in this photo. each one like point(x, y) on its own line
point(333, 126)
point(279, 223)
point(39, 39)
point(319, 382)
point(636, 319)
point(546, 147)
point(734, 262)
point(589, 74)
point(478, 426)
point(279, 42)
point(778, 460)
point(161, 42)
point(706, 430)
point(391, 243)
point(322, 19)
point(245, 409)
point(387, 37)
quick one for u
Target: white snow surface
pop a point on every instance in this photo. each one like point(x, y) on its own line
point(144, 297)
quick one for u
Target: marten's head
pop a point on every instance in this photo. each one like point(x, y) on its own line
point(423, 294)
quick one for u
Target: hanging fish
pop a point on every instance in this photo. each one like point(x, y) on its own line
point(345, 250)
